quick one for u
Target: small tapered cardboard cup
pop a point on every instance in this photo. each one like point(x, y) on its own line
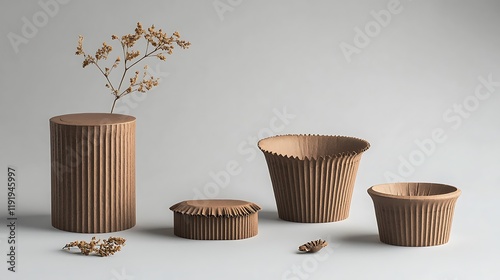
point(414, 214)
point(215, 219)
point(313, 176)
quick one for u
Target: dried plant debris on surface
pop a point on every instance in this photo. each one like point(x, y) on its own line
point(98, 247)
point(313, 246)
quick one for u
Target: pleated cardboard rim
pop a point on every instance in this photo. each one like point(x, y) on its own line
point(453, 193)
point(216, 208)
point(322, 157)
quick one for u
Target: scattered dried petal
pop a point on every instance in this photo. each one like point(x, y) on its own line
point(313, 246)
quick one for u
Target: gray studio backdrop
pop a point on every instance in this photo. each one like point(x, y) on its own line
point(420, 80)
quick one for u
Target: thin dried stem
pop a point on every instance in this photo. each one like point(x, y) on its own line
point(114, 103)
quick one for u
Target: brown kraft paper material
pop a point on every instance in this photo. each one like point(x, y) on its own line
point(414, 214)
point(215, 219)
point(313, 176)
point(93, 172)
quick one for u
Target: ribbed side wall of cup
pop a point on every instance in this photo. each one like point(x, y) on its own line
point(215, 228)
point(313, 191)
point(93, 177)
point(415, 223)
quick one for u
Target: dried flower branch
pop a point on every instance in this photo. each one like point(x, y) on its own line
point(99, 247)
point(313, 246)
point(158, 44)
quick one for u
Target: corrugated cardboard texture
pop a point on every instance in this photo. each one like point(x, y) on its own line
point(414, 214)
point(215, 219)
point(93, 172)
point(313, 176)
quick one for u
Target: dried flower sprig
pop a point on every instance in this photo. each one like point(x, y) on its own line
point(158, 44)
point(99, 247)
point(313, 246)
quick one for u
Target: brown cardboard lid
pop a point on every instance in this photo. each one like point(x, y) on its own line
point(216, 207)
point(91, 119)
point(312, 146)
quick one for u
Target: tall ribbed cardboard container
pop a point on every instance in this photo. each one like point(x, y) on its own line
point(93, 172)
point(313, 176)
point(414, 214)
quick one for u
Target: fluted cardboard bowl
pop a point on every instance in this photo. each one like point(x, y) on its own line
point(313, 175)
point(215, 219)
point(414, 214)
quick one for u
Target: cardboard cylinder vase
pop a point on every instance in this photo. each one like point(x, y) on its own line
point(215, 219)
point(313, 176)
point(414, 214)
point(93, 172)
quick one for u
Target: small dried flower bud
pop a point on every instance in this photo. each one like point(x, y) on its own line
point(138, 29)
point(132, 54)
point(79, 47)
point(88, 60)
point(161, 56)
point(103, 52)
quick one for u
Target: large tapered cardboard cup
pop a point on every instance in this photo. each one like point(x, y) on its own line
point(414, 214)
point(313, 176)
point(93, 172)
